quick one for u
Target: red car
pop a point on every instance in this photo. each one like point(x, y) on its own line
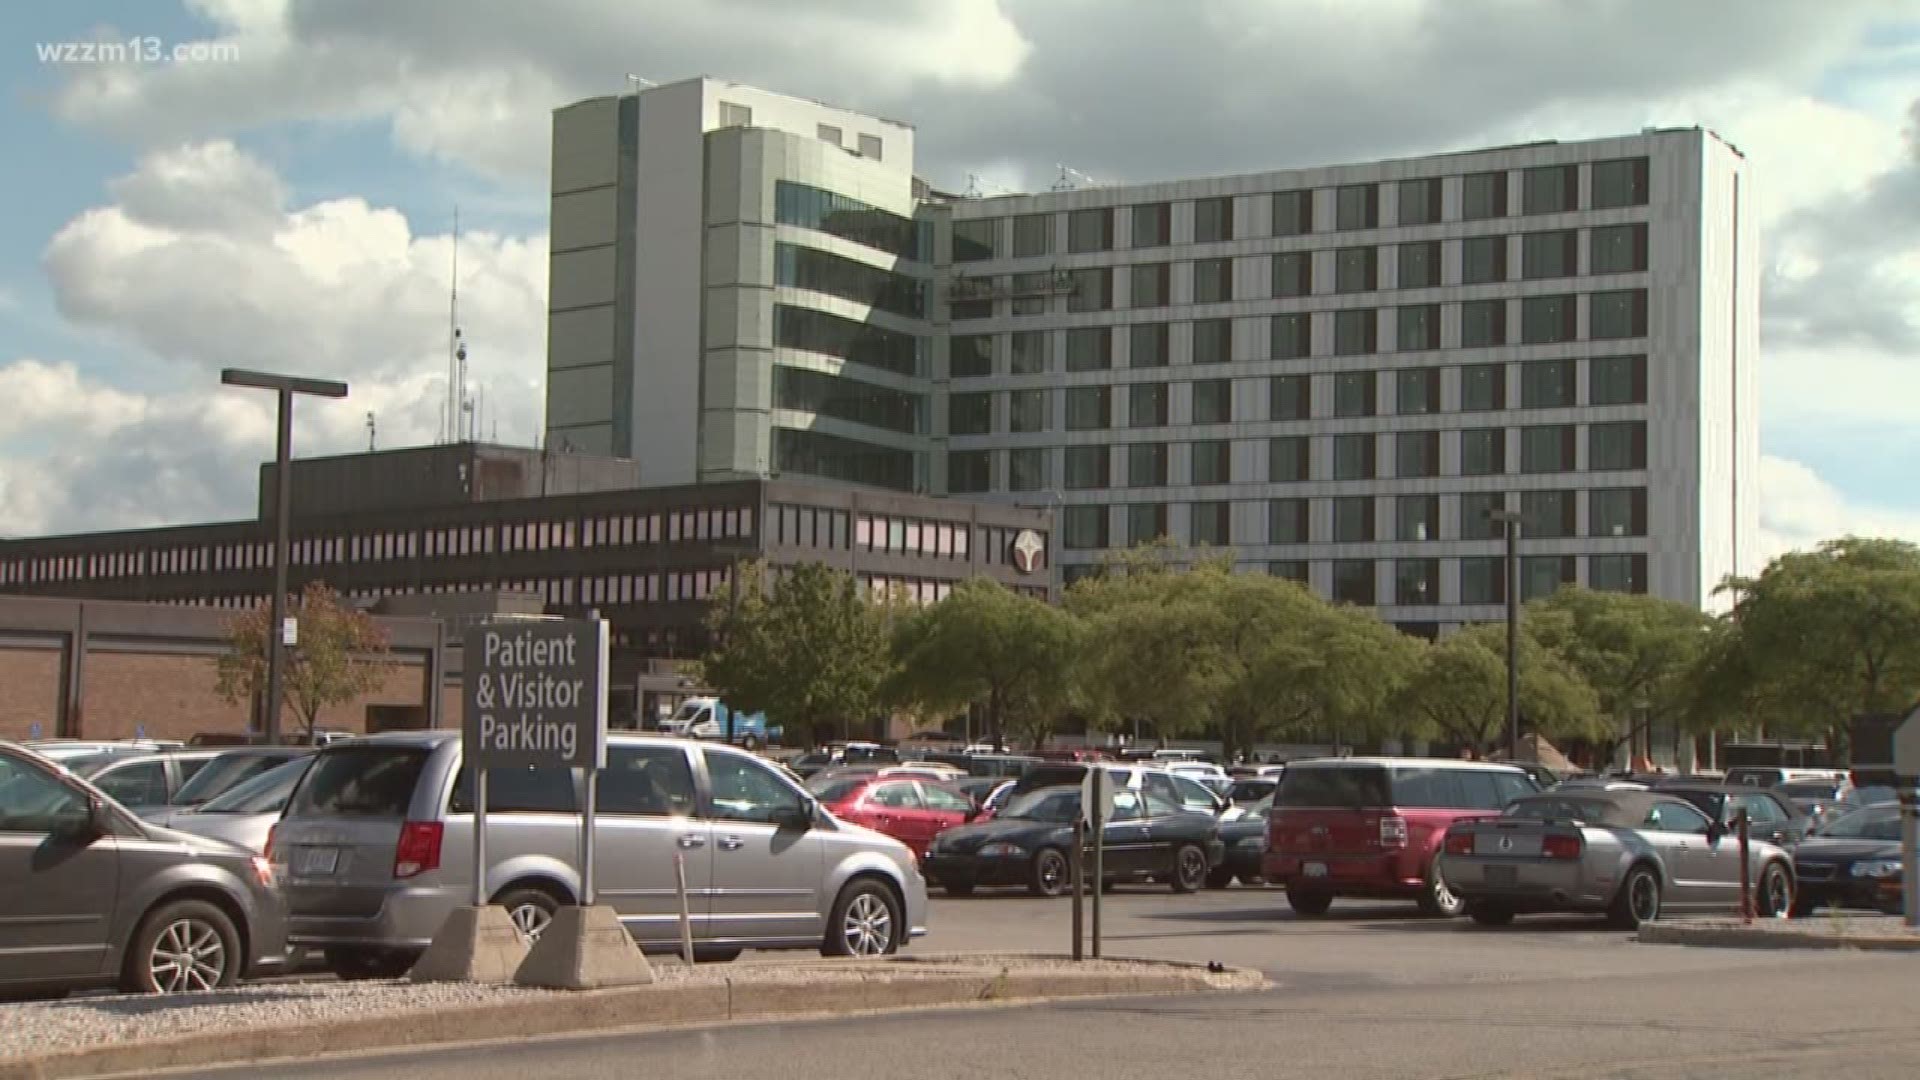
point(912, 811)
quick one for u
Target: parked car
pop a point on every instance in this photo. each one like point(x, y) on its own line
point(1630, 855)
point(1029, 842)
point(937, 773)
point(1370, 827)
point(231, 768)
point(243, 814)
point(1183, 791)
point(1772, 777)
point(1817, 799)
point(1852, 862)
point(1246, 845)
point(1771, 817)
point(92, 896)
point(1599, 783)
point(1249, 790)
point(852, 753)
point(377, 844)
point(141, 778)
point(708, 718)
point(912, 811)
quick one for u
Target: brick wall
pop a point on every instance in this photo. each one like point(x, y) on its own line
point(29, 691)
point(169, 694)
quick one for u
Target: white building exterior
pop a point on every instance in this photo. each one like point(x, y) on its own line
point(1331, 372)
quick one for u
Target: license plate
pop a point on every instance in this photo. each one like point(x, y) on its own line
point(1314, 869)
point(318, 860)
point(1500, 875)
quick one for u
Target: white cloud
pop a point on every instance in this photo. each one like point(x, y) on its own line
point(1798, 510)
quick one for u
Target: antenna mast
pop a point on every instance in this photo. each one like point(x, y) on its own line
point(371, 431)
point(456, 352)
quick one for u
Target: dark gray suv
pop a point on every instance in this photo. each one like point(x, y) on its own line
point(92, 896)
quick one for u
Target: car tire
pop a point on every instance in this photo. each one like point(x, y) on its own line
point(528, 908)
point(715, 955)
point(1049, 875)
point(959, 890)
point(1774, 898)
point(865, 921)
point(750, 743)
point(1490, 914)
point(1437, 899)
point(1220, 878)
point(1638, 900)
point(1253, 881)
point(1190, 869)
point(182, 945)
point(360, 965)
point(1308, 903)
point(1802, 908)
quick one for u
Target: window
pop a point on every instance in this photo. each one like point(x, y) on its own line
point(1550, 254)
point(1618, 249)
point(1289, 397)
point(1026, 410)
point(1089, 348)
point(1618, 446)
point(1353, 582)
point(1152, 225)
point(1617, 380)
point(1213, 462)
point(1213, 401)
point(972, 356)
point(1416, 517)
point(1028, 354)
point(1357, 206)
point(1547, 384)
point(1212, 280)
point(1087, 467)
point(1483, 452)
point(1286, 521)
point(649, 780)
point(1209, 523)
point(1550, 189)
point(1416, 582)
point(1147, 345)
point(849, 279)
point(1150, 285)
point(1419, 265)
point(1625, 573)
point(871, 147)
point(1622, 182)
point(1617, 512)
point(1292, 336)
point(1353, 393)
point(1084, 527)
point(1147, 465)
point(34, 801)
point(746, 790)
point(1547, 514)
point(848, 218)
point(973, 240)
point(1355, 332)
point(1419, 328)
point(1294, 570)
point(1293, 274)
point(1621, 314)
point(1089, 407)
point(1542, 575)
point(1483, 580)
point(1027, 469)
point(1483, 324)
point(1356, 269)
point(1416, 453)
point(1146, 522)
point(732, 115)
point(1092, 289)
point(515, 791)
point(1147, 405)
point(969, 471)
point(1483, 195)
point(1212, 219)
point(1547, 448)
point(1353, 456)
point(1546, 319)
point(1289, 459)
point(1419, 201)
point(137, 783)
point(1212, 341)
point(829, 134)
point(1483, 387)
point(1090, 230)
point(963, 310)
point(1032, 235)
point(1032, 292)
point(1292, 213)
point(1353, 520)
point(969, 414)
point(1483, 259)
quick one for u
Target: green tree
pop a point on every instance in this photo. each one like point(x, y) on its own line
point(340, 657)
point(985, 645)
point(811, 652)
point(1458, 690)
point(1637, 652)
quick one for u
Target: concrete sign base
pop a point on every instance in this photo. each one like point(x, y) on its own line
point(478, 945)
point(584, 949)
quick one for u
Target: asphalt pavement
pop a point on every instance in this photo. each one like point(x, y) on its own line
point(1371, 991)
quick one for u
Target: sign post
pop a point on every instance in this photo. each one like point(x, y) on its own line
point(1078, 882)
point(1906, 767)
point(1096, 809)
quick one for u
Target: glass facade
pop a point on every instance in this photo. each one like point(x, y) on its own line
point(850, 219)
point(824, 272)
point(815, 453)
point(862, 343)
point(849, 399)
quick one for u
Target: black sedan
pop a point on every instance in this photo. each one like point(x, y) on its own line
point(1853, 862)
point(1029, 843)
point(1771, 816)
point(1245, 839)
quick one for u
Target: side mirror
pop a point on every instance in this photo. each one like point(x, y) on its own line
point(973, 813)
point(1715, 832)
point(83, 830)
point(798, 818)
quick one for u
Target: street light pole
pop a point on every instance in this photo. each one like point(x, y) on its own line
point(284, 387)
point(1509, 522)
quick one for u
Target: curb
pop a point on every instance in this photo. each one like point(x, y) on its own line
point(1740, 937)
point(771, 993)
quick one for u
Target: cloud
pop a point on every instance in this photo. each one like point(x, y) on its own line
point(1798, 510)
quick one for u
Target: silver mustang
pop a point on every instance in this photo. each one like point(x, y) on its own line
point(1629, 855)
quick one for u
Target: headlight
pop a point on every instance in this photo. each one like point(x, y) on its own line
point(1877, 868)
point(1001, 849)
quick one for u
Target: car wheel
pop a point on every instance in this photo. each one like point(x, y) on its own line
point(357, 965)
point(1776, 893)
point(530, 910)
point(1219, 879)
point(1490, 914)
point(750, 743)
point(1253, 881)
point(959, 890)
point(1437, 899)
point(714, 956)
point(183, 946)
point(865, 921)
point(1049, 876)
point(1189, 869)
point(1638, 900)
point(1308, 902)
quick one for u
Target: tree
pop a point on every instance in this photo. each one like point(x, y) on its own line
point(1458, 690)
point(341, 656)
point(1637, 652)
point(985, 645)
point(811, 652)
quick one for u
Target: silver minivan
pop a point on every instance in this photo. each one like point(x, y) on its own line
point(376, 846)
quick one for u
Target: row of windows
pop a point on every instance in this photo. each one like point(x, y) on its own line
point(862, 343)
point(1546, 189)
point(850, 219)
point(1543, 384)
point(849, 399)
point(815, 453)
point(849, 279)
point(1478, 580)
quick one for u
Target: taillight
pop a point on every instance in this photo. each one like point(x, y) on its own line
point(263, 871)
point(1561, 847)
point(273, 837)
point(419, 848)
point(1460, 843)
point(1393, 832)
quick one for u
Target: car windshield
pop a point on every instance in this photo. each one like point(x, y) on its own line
point(1349, 787)
point(1810, 789)
point(221, 774)
point(1246, 791)
point(1878, 823)
point(360, 781)
point(1050, 805)
point(1557, 809)
point(835, 790)
point(264, 793)
point(1867, 796)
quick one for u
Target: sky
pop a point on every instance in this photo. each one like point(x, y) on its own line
point(273, 183)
